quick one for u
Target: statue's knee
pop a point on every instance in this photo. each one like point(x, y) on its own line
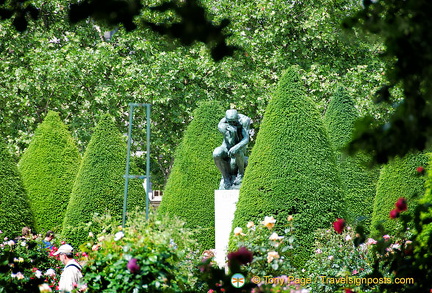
point(218, 153)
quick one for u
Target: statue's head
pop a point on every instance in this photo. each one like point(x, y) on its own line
point(232, 117)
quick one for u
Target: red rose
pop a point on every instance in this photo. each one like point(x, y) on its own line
point(339, 225)
point(401, 204)
point(394, 214)
point(420, 169)
point(242, 256)
point(347, 290)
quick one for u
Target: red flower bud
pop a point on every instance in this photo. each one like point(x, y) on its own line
point(420, 170)
point(339, 225)
point(401, 204)
point(394, 214)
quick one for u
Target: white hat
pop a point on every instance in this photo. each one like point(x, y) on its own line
point(65, 248)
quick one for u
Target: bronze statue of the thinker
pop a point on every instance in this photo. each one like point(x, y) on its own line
point(230, 156)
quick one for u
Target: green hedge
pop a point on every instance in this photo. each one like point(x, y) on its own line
point(189, 192)
point(99, 186)
point(14, 204)
point(425, 236)
point(292, 168)
point(398, 178)
point(358, 180)
point(49, 166)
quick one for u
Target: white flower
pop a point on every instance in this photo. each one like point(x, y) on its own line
point(318, 251)
point(348, 238)
point(250, 225)
point(371, 241)
point(272, 255)
point(395, 246)
point(11, 243)
point(238, 231)
point(91, 235)
point(50, 272)
point(118, 236)
point(269, 222)
point(54, 40)
point(330, 257)
point(45, 288)
point(23, 243)
point(275, 237)
point(18, 275)
point(38, 274)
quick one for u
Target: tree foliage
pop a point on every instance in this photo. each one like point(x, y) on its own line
point(14, 204)
point(189, 193)
point(292, 168)
point(191, 23)
point(405, 27)
point(88, 69)
point(48, 167)
point(99, 185)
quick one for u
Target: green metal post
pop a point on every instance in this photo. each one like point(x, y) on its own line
point(148, 160)
point(131, 109)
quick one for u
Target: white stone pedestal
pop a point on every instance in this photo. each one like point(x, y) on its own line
point(225, 206)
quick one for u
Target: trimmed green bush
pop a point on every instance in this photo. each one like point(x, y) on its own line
point(398, 178)
point(99, 186)
point(358, 180)
point(189, 192)
point(49, 166)
point(292, 168)
point(14, 205)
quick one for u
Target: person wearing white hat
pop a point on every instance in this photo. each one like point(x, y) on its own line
point(71, 275)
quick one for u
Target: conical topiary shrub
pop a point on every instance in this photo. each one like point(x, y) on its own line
point(99, 186)
point(358, 180)
point(14, 205)
point(292, 169)
point(48, 168)
point(189, 192)
point(398, 178)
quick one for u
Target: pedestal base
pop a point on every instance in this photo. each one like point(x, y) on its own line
point(225, 206)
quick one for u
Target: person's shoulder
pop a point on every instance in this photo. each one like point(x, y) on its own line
point(73, 264)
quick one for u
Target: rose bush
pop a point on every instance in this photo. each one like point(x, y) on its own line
point(271, 252)
point(336, 256)
point(25, 265)
point(154, 255)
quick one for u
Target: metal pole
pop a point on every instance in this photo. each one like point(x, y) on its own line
point(131, 109)
point(148, 161)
